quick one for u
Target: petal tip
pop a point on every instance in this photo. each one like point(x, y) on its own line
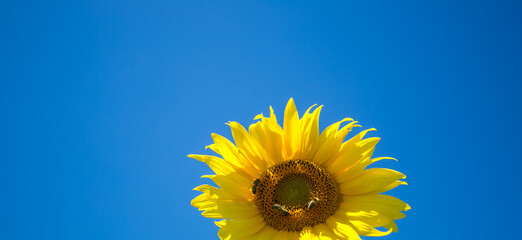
point(407, 208)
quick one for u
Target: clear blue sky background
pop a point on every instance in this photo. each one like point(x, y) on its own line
point(101, 101)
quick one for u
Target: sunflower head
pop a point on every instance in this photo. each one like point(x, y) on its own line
point(294, 182)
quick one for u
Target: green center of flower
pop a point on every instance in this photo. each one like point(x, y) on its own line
point(295, 194)
point(294, 190)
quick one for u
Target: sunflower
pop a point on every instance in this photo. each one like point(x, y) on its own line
point(297, 183)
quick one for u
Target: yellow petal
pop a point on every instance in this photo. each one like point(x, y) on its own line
point(233, 185)
point(375, 209)
point(271, 122)
point(358, 167)
point(266, 233)
point(223, 168)
point(294, 235)
point(241, 229)
point(291, 131)
point(307, 234)
point(213, 193)
point(355, 170)
point(309, 133)
point(374, 180)
point(280, 235)
point(381, 158)
point(357, 138)
point(230, 210)
point(231, 154)
point(352, 152)
point(330, 141)
point(365, 229)
point(220, 223)
point(323, 232)
point(247, 146)
point(341, 229)
point(216, 203)
point(218, 165)
point(268, 134)
point(392, 226)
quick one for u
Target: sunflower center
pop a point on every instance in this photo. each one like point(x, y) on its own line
point(295, 194)
point(294, 190)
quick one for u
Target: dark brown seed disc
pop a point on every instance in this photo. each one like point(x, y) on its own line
point(285, 192)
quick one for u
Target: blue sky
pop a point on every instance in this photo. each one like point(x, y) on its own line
point(101, 101)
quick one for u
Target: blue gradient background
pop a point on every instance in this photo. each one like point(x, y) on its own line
point(101, 101)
